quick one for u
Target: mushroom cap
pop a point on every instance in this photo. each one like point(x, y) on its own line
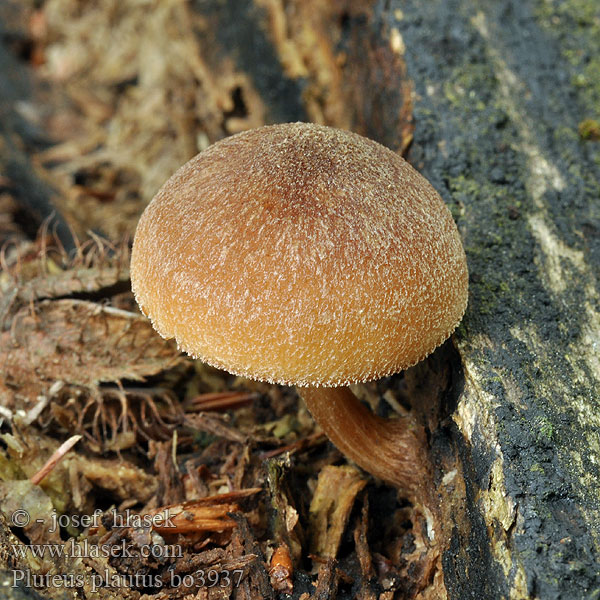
point(300, 254)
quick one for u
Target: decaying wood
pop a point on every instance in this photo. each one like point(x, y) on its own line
point(107, 344)
point(330, 507)
point(518, 451)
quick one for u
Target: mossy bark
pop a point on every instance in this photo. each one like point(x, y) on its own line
point(503, 88)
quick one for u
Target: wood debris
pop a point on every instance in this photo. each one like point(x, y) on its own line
point(107, 344)
point(337, 489)
point(281, 570)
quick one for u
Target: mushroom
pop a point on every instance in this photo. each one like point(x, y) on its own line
point(305, 255)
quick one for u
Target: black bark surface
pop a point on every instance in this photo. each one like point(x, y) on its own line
point(502, 88)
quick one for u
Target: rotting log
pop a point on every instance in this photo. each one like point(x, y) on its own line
point(501, 89)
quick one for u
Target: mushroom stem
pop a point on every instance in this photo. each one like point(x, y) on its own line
point(395, 450)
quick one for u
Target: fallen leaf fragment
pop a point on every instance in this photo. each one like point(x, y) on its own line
point(27, 506)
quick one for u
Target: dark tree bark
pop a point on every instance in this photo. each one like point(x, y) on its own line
point(497, 133)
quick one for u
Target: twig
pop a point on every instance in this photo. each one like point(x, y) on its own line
point(56, 457)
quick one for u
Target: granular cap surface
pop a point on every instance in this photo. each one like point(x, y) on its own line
point(300, 254)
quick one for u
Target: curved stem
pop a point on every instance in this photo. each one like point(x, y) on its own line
point(395, 450)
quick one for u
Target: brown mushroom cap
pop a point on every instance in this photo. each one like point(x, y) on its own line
point(300, 254)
